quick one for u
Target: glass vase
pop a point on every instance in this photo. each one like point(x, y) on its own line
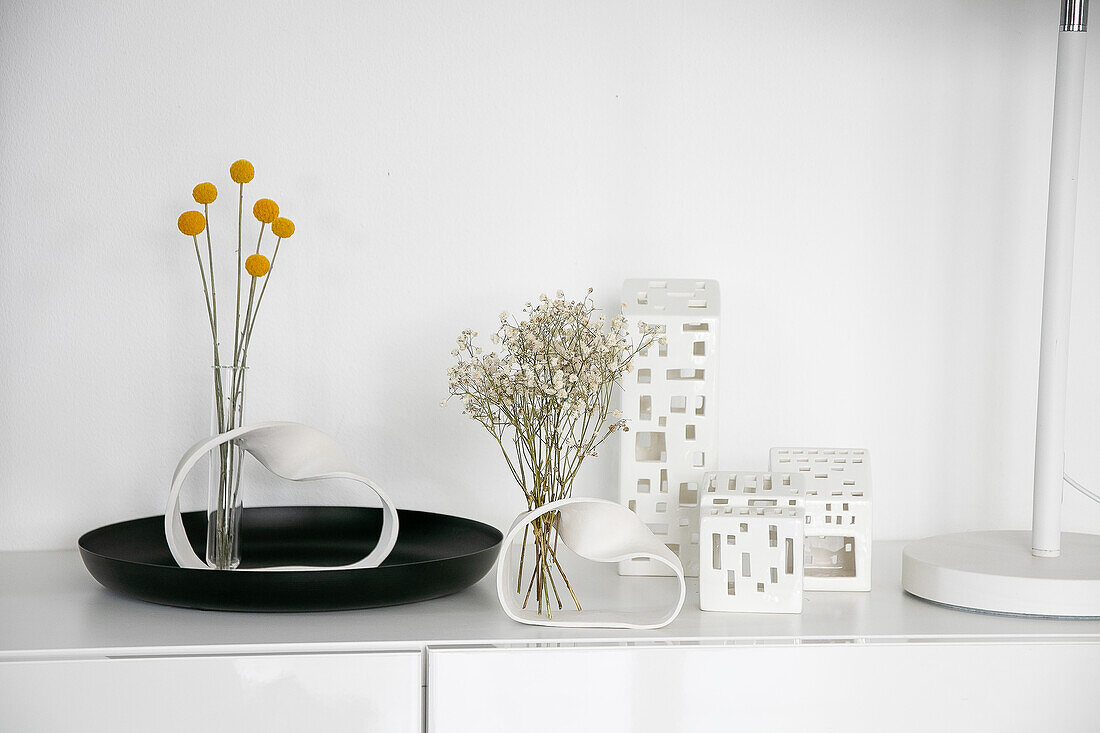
point(224, 504)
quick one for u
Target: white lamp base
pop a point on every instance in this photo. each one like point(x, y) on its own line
point(995, 572)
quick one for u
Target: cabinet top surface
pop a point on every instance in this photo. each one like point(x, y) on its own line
point(50, 607)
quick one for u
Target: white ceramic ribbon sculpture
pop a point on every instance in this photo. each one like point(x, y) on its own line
point(602, 531)
point(289, 450)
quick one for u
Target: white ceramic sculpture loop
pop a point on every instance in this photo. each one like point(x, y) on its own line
point(601, 531)
point(291, 451)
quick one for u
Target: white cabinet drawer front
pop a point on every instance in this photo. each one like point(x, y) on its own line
point(849, 687)
point(304, 692)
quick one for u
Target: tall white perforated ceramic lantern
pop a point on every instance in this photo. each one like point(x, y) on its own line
point(670, 401)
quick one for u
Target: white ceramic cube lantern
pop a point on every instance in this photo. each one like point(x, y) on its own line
point(669, 401)
point(750, 556)
point(836, 483)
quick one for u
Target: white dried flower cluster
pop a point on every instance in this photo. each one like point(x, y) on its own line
point(544, 391)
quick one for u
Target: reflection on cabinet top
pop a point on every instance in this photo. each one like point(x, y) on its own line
point(51, 608)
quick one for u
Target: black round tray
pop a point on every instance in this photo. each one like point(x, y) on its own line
point(435, 555)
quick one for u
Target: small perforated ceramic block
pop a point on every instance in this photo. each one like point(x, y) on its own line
point(669, 402)
point(750, 558)
point(836, 483)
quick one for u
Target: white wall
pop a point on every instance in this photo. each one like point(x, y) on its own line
point(866, 179)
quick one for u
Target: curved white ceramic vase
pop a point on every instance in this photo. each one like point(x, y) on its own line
point(292, 451)
point(601, 531)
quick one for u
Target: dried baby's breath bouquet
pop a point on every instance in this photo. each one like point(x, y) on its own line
point(544, 393)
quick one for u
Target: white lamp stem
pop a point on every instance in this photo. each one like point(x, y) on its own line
point(1058, 279)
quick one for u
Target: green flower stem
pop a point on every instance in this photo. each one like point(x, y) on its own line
point(230, 467)
point(239, 355)
point(522, 553)
point(241, 360)
point(211, 315)
point(219, 398)
point(249, 324)
point(236, 384)
point(237, 324)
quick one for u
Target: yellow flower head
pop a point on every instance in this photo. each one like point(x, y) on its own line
point(282, 228)
point(205, 193)
point(242, 171)
point(191, 223)
point(257, 265)
point(266, 210)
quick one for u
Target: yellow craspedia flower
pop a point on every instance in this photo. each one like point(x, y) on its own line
point(191, 223)
point(282, 228)
point(242, 171)
point(205, 193)
point(266, 210)
point(257, 265)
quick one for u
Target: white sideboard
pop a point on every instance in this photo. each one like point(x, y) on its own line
point(223, 692)
point(884, 687)
point(76, 656)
